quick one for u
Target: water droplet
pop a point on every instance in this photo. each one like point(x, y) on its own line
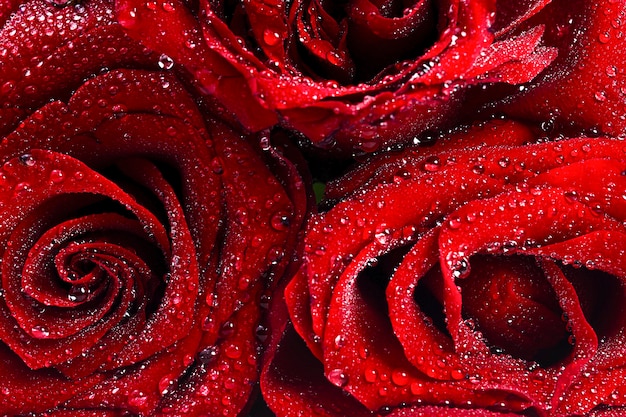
point(604, 37)
point(137, 399)
point(334, 57)
point(338, 378)
point(216, 166)
point(27, 159)
point(40, 332)
point(370, 374)
point(243, 283)
point(227, 329)
point(460, 268)
point(57, 176)
point(455, 223)
point(417, 388)
point(478, 169)
point(400, 378)
point(261, 332)
point(385, 409)
point(611, 70)
point(165, 62)
point(78, 293)
point(340, 341)
point(270, 37)
point(127, 18)
point(457, 374)
point(7, 87)
point(208, 355)
point(280, 221)
point(232, 351)
point(241, 216)
point(264, 301)
point(165, 384)
point(363, 352)
point(60, 3)
point(433, 164)
point(171, 131)
point(22, 187)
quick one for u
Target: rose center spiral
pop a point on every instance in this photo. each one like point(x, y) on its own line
point(515, 308)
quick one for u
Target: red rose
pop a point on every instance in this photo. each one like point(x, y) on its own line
point(585, 87)
point(354, 74)
point(140, 236)
point(470, 278)
point(47, 51)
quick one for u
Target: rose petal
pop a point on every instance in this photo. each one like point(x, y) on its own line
point(587, 95)
point(295, 383)
point(156, 30)
point(35, 62)
point(24, 388)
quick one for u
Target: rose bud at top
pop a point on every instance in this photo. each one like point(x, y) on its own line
point(141, 235)
point(470, 278)
point(585, 87)
point(357, 75)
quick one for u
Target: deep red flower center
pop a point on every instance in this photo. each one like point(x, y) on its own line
point(515, 308)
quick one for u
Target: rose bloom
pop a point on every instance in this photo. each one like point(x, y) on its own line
point(356, 75)
point(585, 87)
point(141, 235)
point(470, 278)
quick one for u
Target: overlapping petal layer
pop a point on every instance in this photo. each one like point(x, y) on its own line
point(358, 75)
point(137, 244)
point(483, 278)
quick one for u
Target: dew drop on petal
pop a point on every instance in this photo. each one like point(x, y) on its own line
point(261, 333)
point(78, 293)
point(216, 166)
point(232, 351)
point(56, 176)
point(27, 159)
point(457, 374)
point(127, 18)
point(227, 329)
point(338, 378)
point(40, 332)
point(137, 399)
point(334, 58)
point(208, 355)
point(399, 378)
point(417, 388)
point(271, 37)
point(455, 222)
point(433, 164)
point(280, 221)
point(370, 374)
point(7, 87)
point(165, 384)
point(165, 62)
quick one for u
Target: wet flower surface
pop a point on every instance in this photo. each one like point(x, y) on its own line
point(134, 249)
point(312, 208)
point(354, 75)
point(138, 242)
point(482, 277)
